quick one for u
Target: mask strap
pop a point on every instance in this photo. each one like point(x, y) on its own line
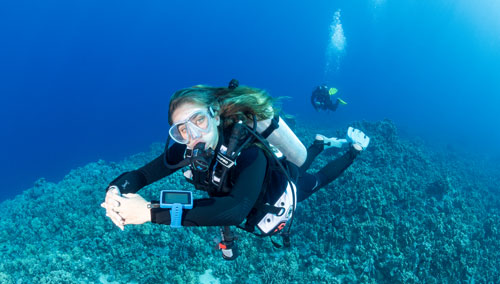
point(211, 111)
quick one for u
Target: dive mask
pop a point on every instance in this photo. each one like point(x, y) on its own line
point(191, 128)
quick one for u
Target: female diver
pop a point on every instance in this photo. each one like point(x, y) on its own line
point(256, 188)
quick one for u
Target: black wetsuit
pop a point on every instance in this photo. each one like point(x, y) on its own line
point(320, 99)
point(248, 178)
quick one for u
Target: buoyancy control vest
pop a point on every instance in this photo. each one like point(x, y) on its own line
point(269, 215)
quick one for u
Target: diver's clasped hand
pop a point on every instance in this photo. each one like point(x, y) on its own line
point(110, 204)
point(133, 209)
point(126, 209)
point(358, 139)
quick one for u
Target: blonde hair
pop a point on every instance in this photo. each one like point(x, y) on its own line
point(241, 103)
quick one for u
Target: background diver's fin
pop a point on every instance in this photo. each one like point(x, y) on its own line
point(341, 101)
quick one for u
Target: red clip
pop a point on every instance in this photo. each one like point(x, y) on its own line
point(222, 246)
point(280, 227)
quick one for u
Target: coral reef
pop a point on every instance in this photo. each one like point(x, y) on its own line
point(402, 213)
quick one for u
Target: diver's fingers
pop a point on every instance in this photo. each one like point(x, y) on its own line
point(112, 201)
point(113, 215)
point(126, 197)
point(115, 218)
point(120, 199)
point(111, 194)
point(106, 206)
point(110, 205)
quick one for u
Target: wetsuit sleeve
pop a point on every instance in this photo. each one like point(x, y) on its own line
point(228, 210)
point(131, 182)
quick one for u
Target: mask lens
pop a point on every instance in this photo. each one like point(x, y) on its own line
point(192, 127)
point(199, 120)
point(176, 132)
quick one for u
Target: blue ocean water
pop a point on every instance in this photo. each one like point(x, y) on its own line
point(82, 81)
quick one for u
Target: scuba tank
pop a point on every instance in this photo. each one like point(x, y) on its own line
point(278, 134)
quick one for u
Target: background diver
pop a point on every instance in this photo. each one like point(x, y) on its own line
point(321, 98)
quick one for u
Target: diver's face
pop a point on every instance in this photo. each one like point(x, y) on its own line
point(194, 124)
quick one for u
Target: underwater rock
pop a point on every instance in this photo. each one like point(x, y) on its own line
point(402, 213)
point(438, 189)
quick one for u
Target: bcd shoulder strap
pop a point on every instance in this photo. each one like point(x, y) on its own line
point(273, 126)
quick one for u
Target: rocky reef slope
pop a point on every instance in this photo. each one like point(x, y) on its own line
point(402, 213)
